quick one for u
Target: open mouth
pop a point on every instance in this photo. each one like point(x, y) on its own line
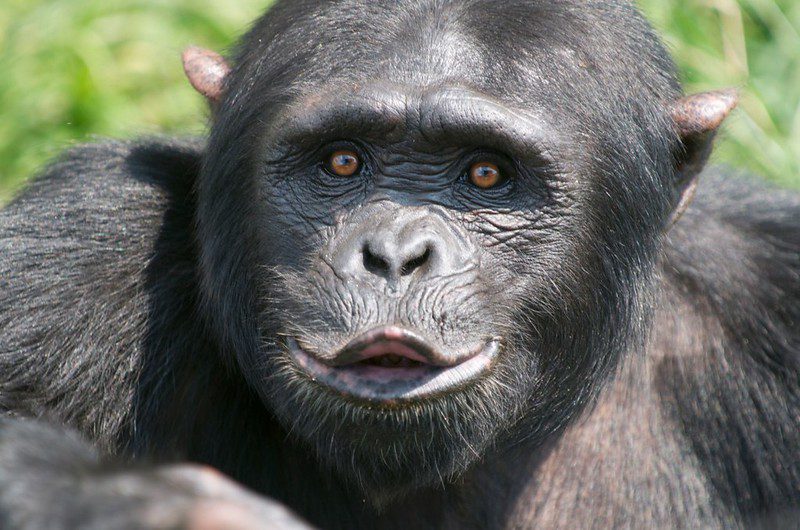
point(392, 364)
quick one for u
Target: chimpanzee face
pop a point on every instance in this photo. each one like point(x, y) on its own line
point(450, 240)
point(409, 226)
point(419, 271)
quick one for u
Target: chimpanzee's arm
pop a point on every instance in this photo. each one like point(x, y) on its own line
point(51, 478)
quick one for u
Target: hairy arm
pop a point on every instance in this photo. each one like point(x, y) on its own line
point(52, 478)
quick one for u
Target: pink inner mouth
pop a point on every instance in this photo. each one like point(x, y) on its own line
point(392, 364)
point(392, 354)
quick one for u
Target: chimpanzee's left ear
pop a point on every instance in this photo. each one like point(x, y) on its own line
point(206, 71)
point(697, 119)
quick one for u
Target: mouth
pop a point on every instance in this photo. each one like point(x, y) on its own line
point(392, 364)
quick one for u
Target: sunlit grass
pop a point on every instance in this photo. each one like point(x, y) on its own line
point(74, 69)
point(754, 45)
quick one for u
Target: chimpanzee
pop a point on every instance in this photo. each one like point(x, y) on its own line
point(437, 265)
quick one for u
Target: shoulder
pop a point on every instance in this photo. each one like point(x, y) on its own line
point(735, 256)
point(99, 210)
point(726, 340)
point(109, 175)
point(100, 202)
point(745, 202)
point(740, 236)
point(90, 250)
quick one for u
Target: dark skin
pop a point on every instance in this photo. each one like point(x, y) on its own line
point(437, 265)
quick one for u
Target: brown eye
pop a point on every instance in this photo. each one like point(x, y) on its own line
point(344, 163)
point(485, 175)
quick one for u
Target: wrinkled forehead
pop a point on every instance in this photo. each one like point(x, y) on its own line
point(545, 70)
point(432, 77)
point(518, 56)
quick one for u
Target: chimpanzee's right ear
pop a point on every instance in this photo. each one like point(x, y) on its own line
point(206, 71)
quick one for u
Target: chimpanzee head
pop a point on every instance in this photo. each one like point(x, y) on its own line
point(428, 227)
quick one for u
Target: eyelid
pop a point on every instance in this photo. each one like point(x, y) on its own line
point(506, 164)
point(328, 148)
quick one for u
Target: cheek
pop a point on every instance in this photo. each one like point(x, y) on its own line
point(532, 256)
point(293, 218)
point(303, 204)
point(295, 206)
point(508, 241)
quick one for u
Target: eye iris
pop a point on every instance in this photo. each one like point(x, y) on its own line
point(484, 175)
point(344, 163)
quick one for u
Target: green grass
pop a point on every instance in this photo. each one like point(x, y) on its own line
point(71, 70)
point(75, 69)
point(753, 45)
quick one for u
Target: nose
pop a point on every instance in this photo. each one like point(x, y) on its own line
point(401, 247)
point(391, 257)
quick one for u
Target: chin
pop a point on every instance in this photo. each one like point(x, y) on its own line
point(390, 413)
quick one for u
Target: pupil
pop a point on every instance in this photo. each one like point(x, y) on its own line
point(343, 163)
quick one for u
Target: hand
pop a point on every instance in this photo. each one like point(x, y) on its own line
point(219, 503)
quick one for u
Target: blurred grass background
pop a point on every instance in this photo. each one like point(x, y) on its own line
point(71, 70)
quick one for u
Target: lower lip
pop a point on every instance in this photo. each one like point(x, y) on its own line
point(388, 385)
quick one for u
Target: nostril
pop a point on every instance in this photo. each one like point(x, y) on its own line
point(412, 265)
point(393, 262)
point(373, 263)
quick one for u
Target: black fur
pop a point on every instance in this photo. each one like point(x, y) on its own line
point(650, 377)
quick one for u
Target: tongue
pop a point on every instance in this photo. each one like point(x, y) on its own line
point(389, 350)
point(391, 361)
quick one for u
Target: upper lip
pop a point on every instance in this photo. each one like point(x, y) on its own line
point(394, 340)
